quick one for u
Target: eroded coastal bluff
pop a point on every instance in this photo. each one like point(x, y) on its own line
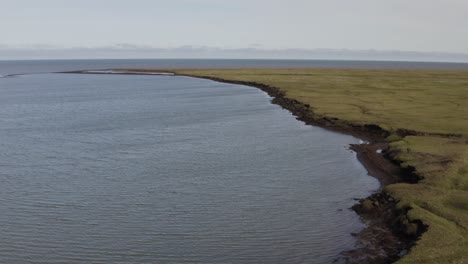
point(417, 127)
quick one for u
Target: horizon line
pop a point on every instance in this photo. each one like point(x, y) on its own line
point(254, 59)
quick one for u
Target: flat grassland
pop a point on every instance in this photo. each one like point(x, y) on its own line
point(425, 113)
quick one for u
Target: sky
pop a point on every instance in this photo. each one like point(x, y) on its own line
point(95, 28)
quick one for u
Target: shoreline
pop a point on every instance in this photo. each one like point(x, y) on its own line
point(389, 234)
point(386, 237)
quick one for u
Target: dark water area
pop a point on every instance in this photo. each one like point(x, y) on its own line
point(41, 66)
point(164, 169)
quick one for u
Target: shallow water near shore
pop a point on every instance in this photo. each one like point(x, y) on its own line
point(168, 169)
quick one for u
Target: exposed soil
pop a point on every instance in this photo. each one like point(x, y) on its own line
point(389, 234)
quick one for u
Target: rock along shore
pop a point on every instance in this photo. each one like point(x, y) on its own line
point(389, 233)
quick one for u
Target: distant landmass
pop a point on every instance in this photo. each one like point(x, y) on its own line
point(121, 51)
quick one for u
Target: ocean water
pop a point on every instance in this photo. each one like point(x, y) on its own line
point(167, 169)
point(41, 66)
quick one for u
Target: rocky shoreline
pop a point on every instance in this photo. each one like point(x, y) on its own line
point(389, 234)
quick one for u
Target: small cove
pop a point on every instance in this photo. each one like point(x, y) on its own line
point(99, 168)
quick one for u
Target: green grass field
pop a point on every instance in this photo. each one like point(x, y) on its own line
point(432, 103)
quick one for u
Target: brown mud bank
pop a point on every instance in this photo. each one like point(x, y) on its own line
point(389, 234)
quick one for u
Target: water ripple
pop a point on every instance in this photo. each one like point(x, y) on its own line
point(146, 169)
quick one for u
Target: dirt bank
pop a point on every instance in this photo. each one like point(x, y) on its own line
point(389, 234)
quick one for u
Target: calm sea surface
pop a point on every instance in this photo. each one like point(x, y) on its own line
point(164, 169)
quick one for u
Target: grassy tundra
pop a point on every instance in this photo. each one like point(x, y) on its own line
point(426, 115)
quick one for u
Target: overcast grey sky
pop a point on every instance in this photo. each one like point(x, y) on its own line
point(405, 25)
